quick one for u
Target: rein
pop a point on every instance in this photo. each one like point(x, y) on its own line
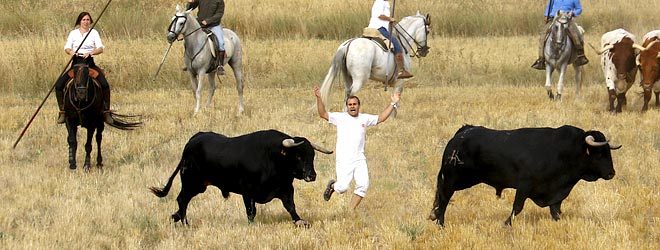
point(400, 33)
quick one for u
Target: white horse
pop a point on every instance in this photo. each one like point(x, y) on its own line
point(559, 53)
point(198, 55)
point(360, 59)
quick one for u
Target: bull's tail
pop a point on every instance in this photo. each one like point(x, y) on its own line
point(336, 67)
point(163, 192)
point(125, 122)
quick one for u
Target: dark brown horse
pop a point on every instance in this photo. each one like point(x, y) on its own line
point(83, 104)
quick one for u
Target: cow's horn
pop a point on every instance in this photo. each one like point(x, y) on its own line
point(290, 143)
point(658, 55)
point(603, 49)
point(592, 142)
point(321, 149)
point(615, 147)
point(639, 47)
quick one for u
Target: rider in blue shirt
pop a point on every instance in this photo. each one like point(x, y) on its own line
point(551, 9)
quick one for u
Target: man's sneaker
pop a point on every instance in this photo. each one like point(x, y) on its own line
point(539, 64)
point(329, 189)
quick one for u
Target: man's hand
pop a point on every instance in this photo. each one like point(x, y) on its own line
point(204, 23)
point(396, 97)
point(317, 92)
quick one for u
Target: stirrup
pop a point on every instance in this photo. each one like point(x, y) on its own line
point(221, 70)
point(61, 117)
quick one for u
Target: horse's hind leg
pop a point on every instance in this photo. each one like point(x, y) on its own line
point(197, 90)
point(99, 138)
point(236, 66)
point(578, 79)
point(88, 148)
point(73, 144)
point(211, 77)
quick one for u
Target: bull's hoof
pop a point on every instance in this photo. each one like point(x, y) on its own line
point(302, 223)
point(87, 167)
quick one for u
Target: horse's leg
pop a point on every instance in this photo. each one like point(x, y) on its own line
point(99, 138)
point(197, 90)
point(211, 78)
point(73, 144)
point(237, 66)
point(88, 148)
point(578, 79)
point(560, 83)
point(548, 80)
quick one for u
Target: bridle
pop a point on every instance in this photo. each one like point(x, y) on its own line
point(171, 28)
point(559, 26)
point(422, 50)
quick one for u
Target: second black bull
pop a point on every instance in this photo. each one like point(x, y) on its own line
point(542, 164)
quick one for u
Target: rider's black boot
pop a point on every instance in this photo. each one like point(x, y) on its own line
point(539, 64)
point(581, 59)
point(219, 60)
point(107, 117)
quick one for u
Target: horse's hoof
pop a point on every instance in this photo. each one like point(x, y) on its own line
point(302, 223)
point(72, 167)
point(558, 97)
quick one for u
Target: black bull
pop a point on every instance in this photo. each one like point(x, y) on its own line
point(260, 166)
point(542, 164)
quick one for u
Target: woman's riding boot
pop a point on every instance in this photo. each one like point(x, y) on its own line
point(219, 60)
point(59, 95)
point(107, 118)
point(399, 64)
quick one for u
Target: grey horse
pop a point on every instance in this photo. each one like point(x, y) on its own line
point(198, 55)
point(559, 53)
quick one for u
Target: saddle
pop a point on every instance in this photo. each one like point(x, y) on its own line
point(92, 73)
point(213, 40)
point(375, 36)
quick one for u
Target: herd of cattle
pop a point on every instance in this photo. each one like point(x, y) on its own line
point(542, 164)
point(621, 57)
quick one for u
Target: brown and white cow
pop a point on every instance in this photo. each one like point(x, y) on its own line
point(618, 62)
point(648, 61)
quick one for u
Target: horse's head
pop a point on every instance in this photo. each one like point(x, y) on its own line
point(178, 24)
point(560, 24)
point(81, 81)
point(417, 28)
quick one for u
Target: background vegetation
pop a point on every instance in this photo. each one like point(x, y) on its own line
point(476, 73)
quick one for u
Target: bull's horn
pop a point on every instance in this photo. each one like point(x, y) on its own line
point(637, 62)
point(290, 143)
point(615, 147)
point(592, 142)
point(658, 55)
point(321, 149)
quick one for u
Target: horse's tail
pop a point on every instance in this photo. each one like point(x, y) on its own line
point(125, 122)
point(163, 192)
point(337, 66)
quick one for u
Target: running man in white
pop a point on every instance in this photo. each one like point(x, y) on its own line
point(351, 134)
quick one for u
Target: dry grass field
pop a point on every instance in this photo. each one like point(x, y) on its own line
point(466, 79)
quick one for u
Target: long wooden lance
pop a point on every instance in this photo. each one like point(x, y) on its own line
point(61, 73)
point(162, 61)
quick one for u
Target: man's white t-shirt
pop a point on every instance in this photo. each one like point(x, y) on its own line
point(92, 41)
point(380, 7)
point(351, 135)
